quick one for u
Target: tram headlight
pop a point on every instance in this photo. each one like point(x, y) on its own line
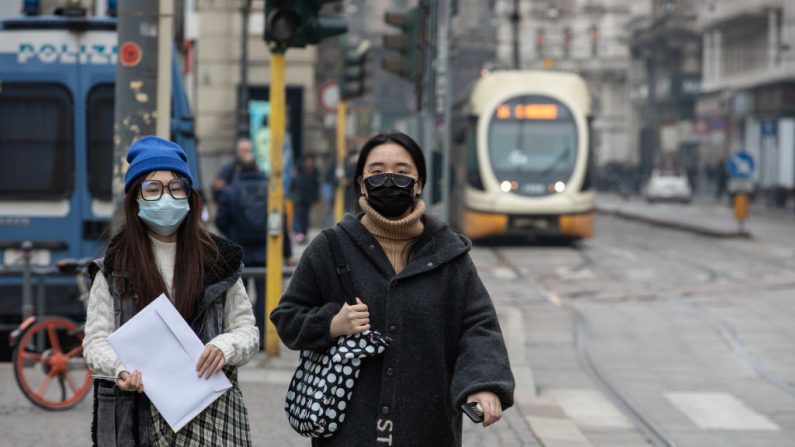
point(559, 186)
point(505, 186)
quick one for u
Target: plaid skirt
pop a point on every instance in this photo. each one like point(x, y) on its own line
point(224, 423)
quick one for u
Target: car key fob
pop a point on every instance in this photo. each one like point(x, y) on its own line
point(473, 411)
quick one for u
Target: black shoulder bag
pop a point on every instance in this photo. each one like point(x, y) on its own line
point(322, 385)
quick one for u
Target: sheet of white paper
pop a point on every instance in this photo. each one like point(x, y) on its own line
point(158, 342)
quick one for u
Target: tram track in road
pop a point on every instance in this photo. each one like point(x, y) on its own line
point(727, 333)
point(675, 297)
point(651, 430)
point(710, 277)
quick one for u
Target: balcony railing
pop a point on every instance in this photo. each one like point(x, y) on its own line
point(715, 12)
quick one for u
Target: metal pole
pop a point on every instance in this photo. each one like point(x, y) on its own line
point(273, 276)
point(165, 36)
point(447, 108)
point(242, 107)
point(516, 18)
point(27, 278)
point(339, 197)
point(135, 113)
point(425, 119)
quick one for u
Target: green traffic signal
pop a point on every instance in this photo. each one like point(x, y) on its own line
point(353, 75)
point(406, 44)
point(296, 24)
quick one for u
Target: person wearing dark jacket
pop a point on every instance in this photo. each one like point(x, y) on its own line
point(234, 218)
point(416, 284)
point(242, 217)
point(305, 191)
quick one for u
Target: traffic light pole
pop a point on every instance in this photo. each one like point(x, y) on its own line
point(446, 108)
point(288, 24)
point(140, 83)
point(339, 197)
point(273, 277)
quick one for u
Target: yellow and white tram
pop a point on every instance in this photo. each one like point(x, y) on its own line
point(522, 161)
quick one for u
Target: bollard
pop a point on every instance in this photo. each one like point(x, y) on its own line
point(741, 209)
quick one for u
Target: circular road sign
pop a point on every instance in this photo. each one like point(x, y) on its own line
point(130, 54)
point(329, 96)
point(740, 165)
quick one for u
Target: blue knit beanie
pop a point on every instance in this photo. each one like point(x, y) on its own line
point(153, 153)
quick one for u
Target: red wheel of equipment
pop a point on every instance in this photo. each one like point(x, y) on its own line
point(49, 365)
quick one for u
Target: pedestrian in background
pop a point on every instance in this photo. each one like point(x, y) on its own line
point(162, 248)
point(226, 175)
point(415, 283)
point(305, 191)
point(243, 217)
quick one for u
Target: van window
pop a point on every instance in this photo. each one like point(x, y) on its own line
point(36, 141)
point(99, 132)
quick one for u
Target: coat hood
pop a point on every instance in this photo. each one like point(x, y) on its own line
point(438, 244)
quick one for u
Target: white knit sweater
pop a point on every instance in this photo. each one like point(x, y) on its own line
point(238, 342)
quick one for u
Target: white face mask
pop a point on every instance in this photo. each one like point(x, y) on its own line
point(163, 216)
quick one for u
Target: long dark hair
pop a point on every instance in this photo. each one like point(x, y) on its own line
point(393, 136)
point(132, 256)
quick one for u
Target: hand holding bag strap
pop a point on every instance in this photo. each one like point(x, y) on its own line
point(343, 270)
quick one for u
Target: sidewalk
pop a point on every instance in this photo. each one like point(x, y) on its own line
point(701, 217)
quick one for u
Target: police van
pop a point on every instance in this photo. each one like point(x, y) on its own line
point(57, 76)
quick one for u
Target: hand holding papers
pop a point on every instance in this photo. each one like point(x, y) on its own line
point(158, 342)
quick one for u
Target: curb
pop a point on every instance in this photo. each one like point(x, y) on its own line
point(682, 226)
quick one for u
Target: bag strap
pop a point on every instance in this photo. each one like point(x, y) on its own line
point(343, 270)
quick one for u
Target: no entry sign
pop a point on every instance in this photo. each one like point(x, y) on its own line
point(130, 54)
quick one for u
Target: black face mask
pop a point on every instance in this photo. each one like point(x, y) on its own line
point(388, 199)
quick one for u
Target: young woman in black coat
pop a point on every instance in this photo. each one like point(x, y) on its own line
point(416, 284)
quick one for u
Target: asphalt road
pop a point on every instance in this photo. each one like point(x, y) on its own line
point(694, 333)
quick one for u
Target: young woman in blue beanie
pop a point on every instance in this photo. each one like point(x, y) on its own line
point(162, 248)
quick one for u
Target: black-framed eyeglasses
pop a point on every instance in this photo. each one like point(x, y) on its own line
point(400, 180)
point(152, 190)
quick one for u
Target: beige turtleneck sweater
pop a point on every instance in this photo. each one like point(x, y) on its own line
point(394, 235)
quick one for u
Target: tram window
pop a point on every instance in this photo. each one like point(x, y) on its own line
point(533, 141)
point(36, 141)
point(99, 121)
point(473, 167)
point(587, 182)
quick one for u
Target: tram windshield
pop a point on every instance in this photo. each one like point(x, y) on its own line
point(532, 144)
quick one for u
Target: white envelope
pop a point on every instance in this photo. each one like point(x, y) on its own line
point(158, 342)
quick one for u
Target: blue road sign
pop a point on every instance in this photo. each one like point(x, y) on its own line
point(740, 165)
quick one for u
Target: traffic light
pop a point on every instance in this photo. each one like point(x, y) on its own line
point(297, 23)
point(353, 75)
point(406, 43)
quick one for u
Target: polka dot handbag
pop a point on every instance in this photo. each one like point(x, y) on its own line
point(322, 386)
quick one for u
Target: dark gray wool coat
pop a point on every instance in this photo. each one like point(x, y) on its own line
point(447, 342)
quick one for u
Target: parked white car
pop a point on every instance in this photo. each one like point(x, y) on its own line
point(668, 186)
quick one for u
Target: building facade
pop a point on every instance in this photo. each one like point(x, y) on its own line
point(747, 97)
point(214, 78)
point(666, 79)
point(589, 37)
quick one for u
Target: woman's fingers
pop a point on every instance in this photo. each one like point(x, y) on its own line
point(210, 363)
point(130, 381)
point(135, 380)
point(492, 410)
point(206, 359)
point(202, 359)
point(215, 366)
